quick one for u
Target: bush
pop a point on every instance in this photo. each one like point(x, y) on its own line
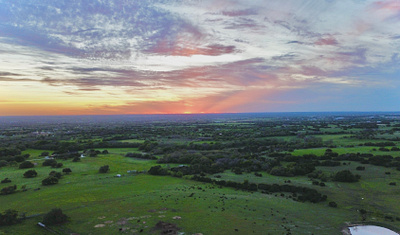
point(67, 171)
point(44, 154)
point(9, 217)
point(346, 176)
point(26, 164)
point(3, 163)
point(157, 170)
point(237, 170)
point(104, 169)
point(6, 180)
point(49, 162)
point(8, 190)
point(30, 174)
point(55, 216)
point(56, 174)
point(333, 204)
point(50, 180)
point(19, 158)
point(76, 159)
point(58, 165)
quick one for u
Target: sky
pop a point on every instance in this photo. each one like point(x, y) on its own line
point(103, 57)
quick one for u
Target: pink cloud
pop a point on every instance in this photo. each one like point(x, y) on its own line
point(327, 41)
point(391, 5)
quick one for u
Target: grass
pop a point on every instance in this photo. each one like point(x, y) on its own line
point(344, 150)
point(90, 198)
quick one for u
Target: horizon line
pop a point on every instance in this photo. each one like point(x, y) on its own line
point(188, 114)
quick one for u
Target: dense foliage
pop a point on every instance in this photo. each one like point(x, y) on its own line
point(55, 216)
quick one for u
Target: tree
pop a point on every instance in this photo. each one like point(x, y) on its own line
point(9, 217)
point(157, 170)
point(346, 176)
point(58, 165)
point(104, 169)
point(6, 180)
point(3, 163)
point(332, 204)
point(26, 164)
point(44, 154)
point(56, 174)
point(30, 174)
point(50, 180)
point(49, 162)
point(67, 171)
point(55, 216)
point(8, 190)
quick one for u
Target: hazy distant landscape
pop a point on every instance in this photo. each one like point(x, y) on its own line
point(258, 173)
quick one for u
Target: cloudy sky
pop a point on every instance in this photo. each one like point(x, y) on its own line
point(198, 56)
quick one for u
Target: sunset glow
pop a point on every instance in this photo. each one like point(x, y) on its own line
point(209, 56)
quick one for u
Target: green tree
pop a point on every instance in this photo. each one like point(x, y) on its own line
point(55, 216)
point(50, 180)
point(9, 217)
point(104, 169)
point(26, 164)
point(30, 174)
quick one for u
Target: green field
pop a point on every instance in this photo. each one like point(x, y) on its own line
point(130, 200)
point(90, 198)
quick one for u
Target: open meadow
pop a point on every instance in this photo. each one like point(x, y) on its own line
point(209, 178)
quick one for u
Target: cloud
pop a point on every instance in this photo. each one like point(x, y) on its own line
point(8, 74)
point(327, 41)
point(215, 55)
point(236, 13)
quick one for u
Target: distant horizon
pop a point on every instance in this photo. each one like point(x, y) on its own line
point(188, 114)
point(212, 56)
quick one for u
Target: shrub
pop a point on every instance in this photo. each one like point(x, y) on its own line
point(8, 190)
point(237, 170)
point(104, 169)
point(58, 165)
point(395, 149)
point(3, 163)
point(19, 158)
point(49, 162)
point(67, 171)
point(360, 168)
point(56, 174)
point(76, 159)
point(9, 217)
point(346, 176)
point(50, 180)
point(6, 180)
point(157, 170)
point(55, 216)
point(30, 174)
point(26, 164)
point(333, 204)
point(44, 154)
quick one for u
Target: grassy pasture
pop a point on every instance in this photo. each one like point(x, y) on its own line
point(103, 204)
point(132, 141)
point(91, 199)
